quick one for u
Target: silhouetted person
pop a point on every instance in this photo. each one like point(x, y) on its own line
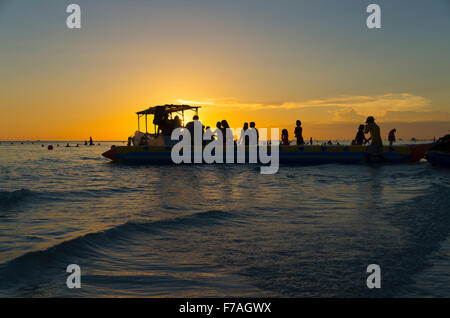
point(253, 126)
point(310, 141)
point(299, 133)
point(85, 143)
point(391, 137)
point(284, 137)
point(91, 143)
point(224, 129)
point(244, 139)
point(175, 123)
point(190, 126)
point(218, 128)
point(208, 131)
point(67, 146)
point(376, 146)
point(360, 138)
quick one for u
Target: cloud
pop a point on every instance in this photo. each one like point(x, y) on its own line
point(348, 115)
point(344, 108)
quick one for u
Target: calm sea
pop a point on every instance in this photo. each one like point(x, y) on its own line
point(218, 230)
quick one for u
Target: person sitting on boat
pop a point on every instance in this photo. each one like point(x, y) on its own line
point(284, 137)
point(253, 126)
point(176, 122)
point(376, 146)
point(166, 125)
point(360, 138)
point(391, 136)
point(299, 133)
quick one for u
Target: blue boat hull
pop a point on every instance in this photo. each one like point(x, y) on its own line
point(288, 154)
point(438, 158)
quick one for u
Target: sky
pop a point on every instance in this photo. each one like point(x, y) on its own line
point(271, 62)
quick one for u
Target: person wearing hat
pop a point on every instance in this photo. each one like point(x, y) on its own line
point(376, 143)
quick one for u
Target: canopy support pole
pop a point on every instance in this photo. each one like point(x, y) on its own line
point(146, 131)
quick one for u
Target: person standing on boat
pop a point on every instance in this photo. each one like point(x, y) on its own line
point(253, 126)
point(299, 133)
point(244, 139)
point(391, 137)
point(218, 128)
point(208, 132)
point(376, 146)
point(190, 126)
point(224, 129)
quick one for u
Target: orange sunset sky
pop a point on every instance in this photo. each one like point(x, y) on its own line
point(271, 62)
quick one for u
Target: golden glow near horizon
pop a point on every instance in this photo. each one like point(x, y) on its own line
point(330, 72)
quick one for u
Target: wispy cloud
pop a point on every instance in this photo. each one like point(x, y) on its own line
point(343, 108)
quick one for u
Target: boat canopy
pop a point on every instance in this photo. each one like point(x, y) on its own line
point(158, 111)
point(168, 109)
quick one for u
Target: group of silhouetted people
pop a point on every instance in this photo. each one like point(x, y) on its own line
point(375, 135)
point(375, 149)
point(298, 132)
point(370, 127)
point(223, 127)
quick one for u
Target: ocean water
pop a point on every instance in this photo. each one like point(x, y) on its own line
point(222, 230)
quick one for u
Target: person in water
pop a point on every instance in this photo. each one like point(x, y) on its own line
point(391, 137)
point(284, 137)
point(91, 143)
point(360, 138)
point(299, 133)
point(376, 143)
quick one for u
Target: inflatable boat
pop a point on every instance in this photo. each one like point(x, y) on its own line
point(288, 154)
point(439, 153)
point(156, 148)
